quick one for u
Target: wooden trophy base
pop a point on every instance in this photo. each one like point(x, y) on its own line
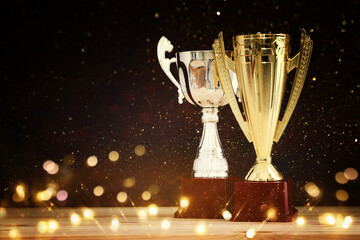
point(260, 201)
point(205, 197)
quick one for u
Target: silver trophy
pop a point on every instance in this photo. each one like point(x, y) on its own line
point(199, 84)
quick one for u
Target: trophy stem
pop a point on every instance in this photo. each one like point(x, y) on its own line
point(263, 170)
point(210, 162)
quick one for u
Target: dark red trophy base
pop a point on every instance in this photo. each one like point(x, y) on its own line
point(259, 201)
point(207, 197)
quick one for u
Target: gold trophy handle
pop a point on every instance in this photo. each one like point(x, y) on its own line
point(301, 62)
point(223, 64)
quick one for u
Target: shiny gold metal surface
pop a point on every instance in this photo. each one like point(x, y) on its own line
point(262, 63)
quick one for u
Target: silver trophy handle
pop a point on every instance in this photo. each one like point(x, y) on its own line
point(301, 62)
point(164, 45)
point(223, 63)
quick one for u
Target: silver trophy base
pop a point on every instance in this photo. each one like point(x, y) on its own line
point(210, 162)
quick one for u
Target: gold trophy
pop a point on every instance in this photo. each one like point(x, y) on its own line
point(261, 62)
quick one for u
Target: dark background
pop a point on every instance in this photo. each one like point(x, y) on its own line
point(81, 78)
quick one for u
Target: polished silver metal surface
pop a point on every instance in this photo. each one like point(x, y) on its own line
point(199, 83)
point(261, 64)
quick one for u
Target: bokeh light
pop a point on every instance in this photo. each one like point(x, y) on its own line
point(92, 161)
point(140, 150)
point(98, 191)
point(62, 195)
point(2, 212)
point(52, 226)
point(153, 209)
point(129, 182)
point(346, 223)
point(122, 197)
point(342, 195)
point(340, 178)
point(250, 233)
point(330, 219)
point(88, 213)
point(14, 233)
point(165, 224)
point(42, 227)
point(351, 173)
point(115, 224)
point(312, 189)
point(226, 215)
point(142, 214)
point(184, 203)
point(75, 219)
point(300, 221)
point(146, 195)
point(44, 195)
point(200, 229)
point(114, 156)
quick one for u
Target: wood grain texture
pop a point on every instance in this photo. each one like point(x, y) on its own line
point(24, 222)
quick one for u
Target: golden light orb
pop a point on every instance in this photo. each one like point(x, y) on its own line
point(165, 224)
point(52, 226)
point(300, 221)
point(139, 150)
point(122, 197)
point(250, 233)
point(42, 227)
point(184, 203)
point(342, 195)
point(14, 233)
point(312, 189)
point(98, 191)
point(146, 195)
point(75, 219)
point(92, 161)
point(153, 209)
point(351, 173)
point(129, 182)
point(226, 215)
point(340, 178)
point(88, 213)
point(114, 156)
point(200, 228)
point(142, 214)
point(330, 219)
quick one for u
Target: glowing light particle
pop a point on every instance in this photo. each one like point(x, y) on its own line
point(271, 214)
point(114, 156)
point(200, 229)
point(62, 195)
point(129, 182)
point(142, 214)
point(14, 233)
point(165, 225)
point(312, 189)
point(184, 203)
point(351, 173)
point(98, 191)
point(42, 227)
point(340, 178)
point(92, 161)
point(347, 221)
point(122, 197)
point(153, 209)
point(115, 224)
point(342, 195)
point(300, 221)
point(75, 219)
point(330, 219)
point(89, 214)
point(226, 215)
point(48, 165)
point(218, 13)
point(140, 150)
point(52, 226)
point(146, 195)
point(20, 190)
point(250, 233)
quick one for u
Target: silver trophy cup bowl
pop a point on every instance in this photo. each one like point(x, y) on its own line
point(199, 84)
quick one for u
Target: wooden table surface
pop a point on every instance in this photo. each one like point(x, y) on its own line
point(138, 223)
